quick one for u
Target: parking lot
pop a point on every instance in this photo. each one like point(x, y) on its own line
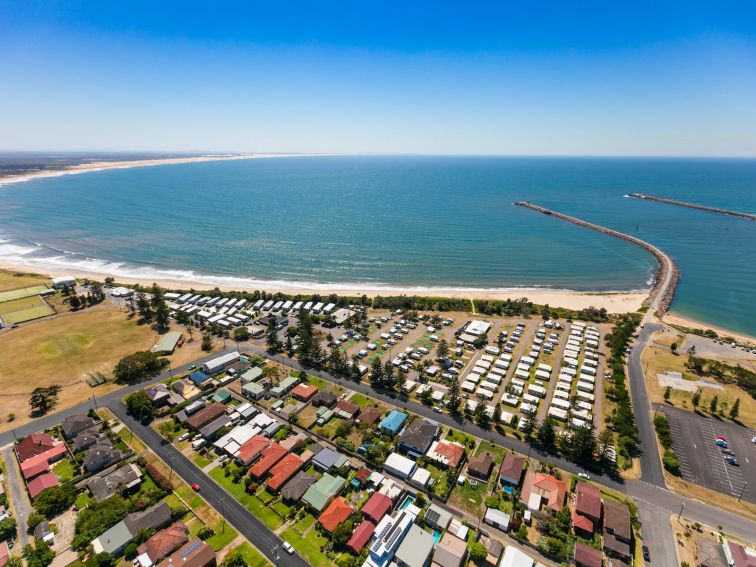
point(702, 462)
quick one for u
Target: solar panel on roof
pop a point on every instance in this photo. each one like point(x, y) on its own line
point(432, 515)
point(191, 549)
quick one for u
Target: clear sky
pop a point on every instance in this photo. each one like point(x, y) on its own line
point(535, 78)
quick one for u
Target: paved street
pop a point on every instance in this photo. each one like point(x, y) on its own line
point(17, 492)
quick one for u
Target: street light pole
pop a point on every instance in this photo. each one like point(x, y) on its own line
point(223, 514)
point(682, 507)
point(170, 464)
point(742, 491)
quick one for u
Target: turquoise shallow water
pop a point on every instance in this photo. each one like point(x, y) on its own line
point(400, 221)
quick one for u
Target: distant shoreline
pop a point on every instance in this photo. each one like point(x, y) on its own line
point(126, 164)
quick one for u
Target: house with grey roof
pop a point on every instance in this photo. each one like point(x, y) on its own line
point(120, 480)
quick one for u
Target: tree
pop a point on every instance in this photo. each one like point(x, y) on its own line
point(673, 347)
point(442, 350)
point(713, 405)
point(376, 373)
point(7, 529)
point(528, 427)
point(454, 400)
point(55, 500)
point(140, 406)
point(696, 399)
point(143, 306)
point(241, 334)
point(481, 416)
point(605, 442)
point(667, 393)
point(478, 552)
point(162, 315)
point(583, 445)
point(43, 399)
point(39, 555)
point(234, 558)
point(272, 343)
point(735, 410)
point(74, 302)
point(207, 342)
point(342, 533)
point(546, 435)
point(496, 418)
point(134, 368)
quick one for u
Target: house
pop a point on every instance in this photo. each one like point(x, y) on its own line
point(164, 542)
point(200, 379)
point(539, 486)
point(437, 518)
point(220, 363)
point(222, 396)
point(415, 549)
point(270, 457)
point(297, 486)
point(239, 367)
point(115, 539)
point(284, 386)
point(283, 471)
point(586, 556)
point(304, 392)
point(185, 388)
point(738, 555)
point(252, 375)
point(618, 531)
point(254, 390)
point(388, 535)
point(327, 459)
point(100, 455)
point(346, 409)
point(159, 395)
point(376, 507)
point(369, 416)
point(587, 514)
point(420, 478)
point(513, 557)
point(63, 281)
point(324, 398)
point(75, 424)
point(195, 553)
point(450, 552)
point(361, 536)
point(168, 343)
point(393, 422)
point(4, 553)
point(336, 513)
point(85, 440)
point(210, 430)
point(34, 467)
point(417, 437)
point(399, 465)
point(41, 443)
point(206, 415)
point(41, 483)
point(447, 454)
point(251, 450)
point(511, 470)
point(120, 480)
point(497, 519)
point(294, 442)
point(495, 549)
point(325, 489)
point(480, 466)
point(361, 477)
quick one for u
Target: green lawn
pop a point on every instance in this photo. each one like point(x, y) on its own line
point(281, 508)
point(64, 470)
point(497, 453)
point(200, 460)
point(82, 499)
point(308, 546)
point(253, 557)
point(264, 495)
point(360, 400)
point(469, 497)
point(250, 502)
point(302, 525)
point(455, 435)
point(223, 536)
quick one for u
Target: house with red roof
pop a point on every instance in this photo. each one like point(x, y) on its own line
point(304, 392)
point(283, 471)
point(40, 483)
point(164, 542)
point(4, 553)
point(449, 454)
point(361, 536)
point(34, 467)
point(40, 445)
point(587, 514)
point(251, 450)
point(272, 455)
point(336, 513)
point(538, 487)
point(586, 556)
point(378, 506)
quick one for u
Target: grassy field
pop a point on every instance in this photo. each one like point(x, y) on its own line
point(24, 309)
point(253, 557)
point(23, 292)
point(268, 516)
point(65, 350)
point(10, 280)
point(656, 360)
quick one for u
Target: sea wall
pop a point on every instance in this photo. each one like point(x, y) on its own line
point(667, 277)
point(692, 206)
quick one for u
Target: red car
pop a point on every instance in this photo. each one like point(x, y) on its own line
point(722, 437)
point(195, 487)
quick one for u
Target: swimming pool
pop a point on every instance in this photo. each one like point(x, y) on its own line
point(407, 501)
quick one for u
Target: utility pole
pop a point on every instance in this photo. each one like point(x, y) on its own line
point(682, 507)
point(170, 464)
point(223, 514)
point(742, 491)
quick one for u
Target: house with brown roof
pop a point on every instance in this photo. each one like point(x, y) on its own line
point(324, 398)
point(369, 415)
point(297, 486)
point(4, 553)
point(417, 437)
point(618, 531)
point(361, 536)
point(304, 392)
point(586, 556)
point(361, 477)
point(447, 454)
point(538, 487)
point(37, 444)
point(164, 542)
point(195, 553)
point(738, 555)
point(450, 552)
point(587, 514)
point(346, 409)
point(251, 450)
point(270, 457)
point(206, 415)
point(336, 513)
point(283, 471)
point(511, 469)
point(480, 466)
point(376, 507)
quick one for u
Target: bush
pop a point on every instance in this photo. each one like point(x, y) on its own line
point(55, 500)
point(662, 431)
point(158, 478)
point(34, 519)
point(130, 551)
point(7, 529)
point(670, 462)
point(205, 532)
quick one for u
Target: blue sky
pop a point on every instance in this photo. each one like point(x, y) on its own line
point(516, 78)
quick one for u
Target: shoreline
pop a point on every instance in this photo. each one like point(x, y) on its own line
point(613, 302)
point(126, 164)
point(683, 321)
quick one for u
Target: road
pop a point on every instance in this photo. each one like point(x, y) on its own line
point(237, 515)
point(17, 491)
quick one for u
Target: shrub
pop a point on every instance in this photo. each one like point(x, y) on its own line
point(670, 462)
point(158, 478)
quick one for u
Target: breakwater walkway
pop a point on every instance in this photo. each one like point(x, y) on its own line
point(665, 283)
point(748, 216)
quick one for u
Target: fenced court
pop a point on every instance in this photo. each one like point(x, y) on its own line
point(22, 292)
point(24, 309)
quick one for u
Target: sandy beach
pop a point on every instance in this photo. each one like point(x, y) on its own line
point(103, 165)
point(676, 319)
point(613, 302)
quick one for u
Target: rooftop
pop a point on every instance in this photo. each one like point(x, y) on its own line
point(336, 513)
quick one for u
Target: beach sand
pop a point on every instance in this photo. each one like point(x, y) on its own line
point(613, 302)
point(676, 319)
point(103, 165)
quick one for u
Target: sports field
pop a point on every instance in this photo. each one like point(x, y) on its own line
point(24, 309)
point(20, 293)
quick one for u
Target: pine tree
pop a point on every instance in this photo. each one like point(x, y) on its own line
point(454, 400)
point(735, 410)
point(667, 393)
point(496, 415)
point(696, 399)
point(271, 337)
point(713, 405)
point(376, 373)
point(546, 435)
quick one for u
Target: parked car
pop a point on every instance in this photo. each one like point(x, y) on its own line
point(646, 553)
point(721, 443)
point(288, 548)
point(583, 475)
point(195, 487)
point(732, 460)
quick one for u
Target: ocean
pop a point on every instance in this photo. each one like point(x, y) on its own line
point(409, 221)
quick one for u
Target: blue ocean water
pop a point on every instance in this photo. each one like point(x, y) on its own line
point(425, 222)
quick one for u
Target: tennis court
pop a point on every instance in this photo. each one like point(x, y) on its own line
point(22, 292)
point(24, 309)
